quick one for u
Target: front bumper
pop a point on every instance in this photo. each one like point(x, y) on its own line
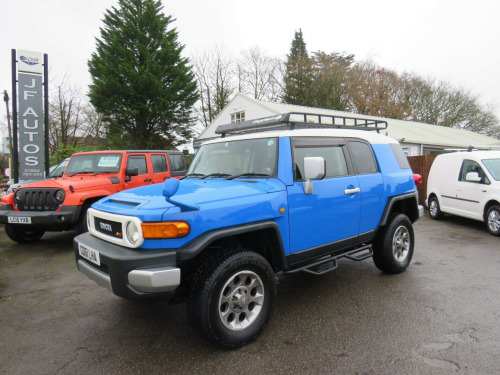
point(48, 220)
point(130, 273)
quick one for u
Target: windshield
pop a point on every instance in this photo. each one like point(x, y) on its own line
point(57, 170)
point(94, 163)
point(246, 158)
point(493, 166)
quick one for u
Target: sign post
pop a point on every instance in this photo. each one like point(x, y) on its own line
point(31, 157)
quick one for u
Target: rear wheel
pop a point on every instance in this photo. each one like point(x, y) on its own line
point(434, 209)
point(231, 297)
point(393, 249)
point(22, 234)
point(493, 220)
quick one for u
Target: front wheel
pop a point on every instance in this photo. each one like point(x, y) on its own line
point(82, 225)
point(393, 249)
point(493, 220)
point(434, 209)
point(231, 297)
point(22, 234)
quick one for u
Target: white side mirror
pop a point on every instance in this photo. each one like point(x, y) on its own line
point(472, 177)
point(314, 169)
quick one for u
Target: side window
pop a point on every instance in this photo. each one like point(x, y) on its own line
point(138, 161)
point(159, 163)
point(471, 166)
point(336, 164)
point(400, 156)
point(178, 163)
point(364, 160)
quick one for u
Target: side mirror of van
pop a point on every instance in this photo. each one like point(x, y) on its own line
point(472, 177)
point(314, 169)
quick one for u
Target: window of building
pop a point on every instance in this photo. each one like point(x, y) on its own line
point(237, 117)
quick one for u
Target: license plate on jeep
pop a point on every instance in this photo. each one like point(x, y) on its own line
point(19, 220)
point(89, 254)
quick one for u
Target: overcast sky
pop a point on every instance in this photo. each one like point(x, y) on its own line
point(451, 40)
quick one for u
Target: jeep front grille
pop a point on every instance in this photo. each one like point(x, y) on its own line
point(37, 200)
point(108, 227)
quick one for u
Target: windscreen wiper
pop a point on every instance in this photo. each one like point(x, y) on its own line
point(86, 172)
point(192, 175)
point(216, 175)
point(249, 174)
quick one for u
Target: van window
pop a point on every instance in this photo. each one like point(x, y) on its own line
point(471, 166)
point(493, 165)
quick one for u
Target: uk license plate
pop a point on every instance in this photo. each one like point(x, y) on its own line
point(19, 220)
point(89, 254)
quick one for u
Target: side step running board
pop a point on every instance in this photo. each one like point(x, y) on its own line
point(329, 263)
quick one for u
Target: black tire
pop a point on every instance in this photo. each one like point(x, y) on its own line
point(493, 220)
point(434, 209)
point(231, 297)
point(81, 225)
point(22, 234)
point(393, 249)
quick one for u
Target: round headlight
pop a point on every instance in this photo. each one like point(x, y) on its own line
point(19, 195)
point(132, 232)
point(60, 195)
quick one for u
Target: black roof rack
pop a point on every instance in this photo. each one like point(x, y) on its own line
point(298, 120)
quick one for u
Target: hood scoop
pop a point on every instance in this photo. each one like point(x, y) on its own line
point(133, 204)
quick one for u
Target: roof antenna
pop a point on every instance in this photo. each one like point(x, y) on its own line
point(470, 149)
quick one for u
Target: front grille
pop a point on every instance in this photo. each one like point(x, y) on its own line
point(108, 227)
point(38, 200)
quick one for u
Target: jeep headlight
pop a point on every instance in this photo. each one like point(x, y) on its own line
point(60, 195)
point(132, 233)
point(19, 195)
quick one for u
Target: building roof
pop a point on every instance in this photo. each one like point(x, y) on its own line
point(403, 131)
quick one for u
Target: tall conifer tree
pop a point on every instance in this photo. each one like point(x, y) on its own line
point(299, 73)
point(141, 84)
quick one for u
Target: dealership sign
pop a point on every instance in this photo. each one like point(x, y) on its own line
point(31, 129)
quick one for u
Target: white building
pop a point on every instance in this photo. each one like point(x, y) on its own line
point(416, 138)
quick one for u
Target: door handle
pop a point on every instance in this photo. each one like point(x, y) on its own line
point(148, 180)
point(352, 191)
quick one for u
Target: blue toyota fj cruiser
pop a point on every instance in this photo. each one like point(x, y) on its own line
point(273, 196)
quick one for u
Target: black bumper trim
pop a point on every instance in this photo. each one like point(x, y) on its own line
point(117, 261)
point(53, 220)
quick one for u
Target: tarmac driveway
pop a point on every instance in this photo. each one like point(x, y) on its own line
point(442, 316)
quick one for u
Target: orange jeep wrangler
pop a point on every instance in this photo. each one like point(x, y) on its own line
point(61, 204)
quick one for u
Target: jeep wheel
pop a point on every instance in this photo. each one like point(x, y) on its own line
point(434, 209)
point(493, 220)
point(231, 297)
point(393, 249)
point(21, 234)
point(81, 225)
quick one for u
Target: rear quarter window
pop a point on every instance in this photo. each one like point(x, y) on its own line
point(362, 155)
point(400, 156)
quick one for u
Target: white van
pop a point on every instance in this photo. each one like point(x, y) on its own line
point(466, 184)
